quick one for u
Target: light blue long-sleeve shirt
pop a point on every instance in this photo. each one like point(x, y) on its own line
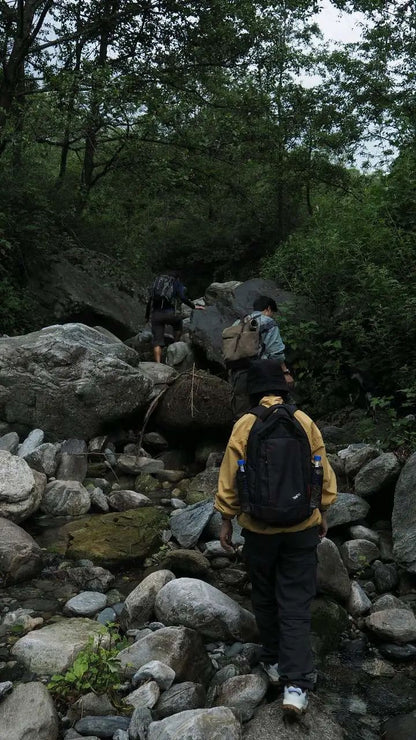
point(273, 347)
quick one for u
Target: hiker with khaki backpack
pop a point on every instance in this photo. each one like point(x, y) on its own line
point(255, 336)
point(166, 291)
point(275, 477)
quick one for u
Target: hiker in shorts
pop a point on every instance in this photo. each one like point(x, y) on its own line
point(281, 560)
point(167, 289)
point(272, 348)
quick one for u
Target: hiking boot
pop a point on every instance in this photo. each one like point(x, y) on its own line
point(295, 700)
point(272, 672)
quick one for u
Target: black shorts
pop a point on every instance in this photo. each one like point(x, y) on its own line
point(159, 320)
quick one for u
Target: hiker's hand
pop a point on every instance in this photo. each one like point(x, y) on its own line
point(226, 534)
point(323, 527)
point(199, 308)
point(290, 381)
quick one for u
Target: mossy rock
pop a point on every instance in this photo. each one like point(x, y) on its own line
point(329, 621)
point(111, 539)
point(145, 483)
point(194, 497)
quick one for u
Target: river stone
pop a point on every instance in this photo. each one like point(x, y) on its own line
point(217, 723)
point(385, 576)
point(9, 442)
point(178, 647)
point(33, 440)
point(156, 670)
point(359, 532)
point(125, 500)
point(91, 704)
point(358, 603)
point(28, 713)
point(132, 464)
point(65, 498)
point(85, 604)
point(358, 554)
point(90, 578)
point(357, 459)
point(179, 698)
point(155, 441)
point(53, 649)
point(187, 525)
point(198, 605)
point(5, 688)
point(398, 625)
point(400, 728)
point(139, 604)
point(205, 482)
point(73, 462)
point(44, 458)
point(269, 724)
point(20, 488)
point(70, 380)
point(109, 539)
point(398, 653)
point(20, 556)
point(404, 517)
point(146, 695)
point(389, 601)
point(242, 694)
point(377, 475)
point(196, 401)
point(333, 576)
point(187, 563)
point(180, 356)
point(103, 727)
point(346, 509)
point(99, 500)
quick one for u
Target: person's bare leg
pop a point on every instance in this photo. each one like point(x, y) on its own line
point(157, 353)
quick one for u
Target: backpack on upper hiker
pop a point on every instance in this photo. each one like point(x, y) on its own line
point(241, 343)
point(275, 486)
point(164, 288)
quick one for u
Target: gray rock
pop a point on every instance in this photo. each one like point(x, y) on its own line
point(398, 625)
point(346, 509)
point(155, 441)
point(90, 578)
point(221, 293)
point(125, 500)
point(198, 605)
point(86, 604)
point(398, 653)
point(5, 688)
point(28, 713)
point(132, 464)
point(163, 674)
point(52, 649)
point(386, 577)
point(21, 618)
point(205, 482)
point(213, 529)
point(121, 734)
point(65, 498)
point(33, 440)
point(389, 601)
point(139, 723)
point(358, 554)
point(377, 475)
point(98, 444)
point(99, 500)
point(139, 604)
point(159, 374)
point(178, 647)
point(188, 524)
point(71, 371)
point(91, 704)
point(214, 549)
point(187, 563)
point(180, 356)
point(217, 723)
point(404, 517)
point(333, 576)
point(170, 476)
point(385, 546)
point(107, 616)
point(269, 724)
point(179, 698)
point(103, 727)
point(359, 458)
point(73, 462)
point(146, 695)
point(358, 603)
point(358, 532)
point(20, 556)
point(20, 488)
point(44, 458)
point(9, 442)
point(400, 728)
point(242, 694)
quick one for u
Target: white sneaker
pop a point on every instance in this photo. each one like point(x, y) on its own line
point(272, 672)
point(295, 700)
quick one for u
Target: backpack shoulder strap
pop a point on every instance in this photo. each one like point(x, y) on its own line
point(263, 412)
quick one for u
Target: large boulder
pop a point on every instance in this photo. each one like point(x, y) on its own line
point(69, 380)
point(231, 303)
point(196, 401)
point(346, 509)
point(396, 625)
point(333, 576)
point(53, 649)
point(188, 525)
point(198, 605)
point(159, 374)
point(20, 556)
point(20, 488)
point(110, 539)
point(178, 647)
point(218, 723)
point(139, 605)
point(83, 285)
point(377, 475)
point(28, 713)
point(404, 516)
point(65, 498)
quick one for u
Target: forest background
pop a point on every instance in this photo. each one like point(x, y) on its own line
point(222, 138)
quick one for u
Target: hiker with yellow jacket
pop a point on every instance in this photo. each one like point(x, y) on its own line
point(281, 558)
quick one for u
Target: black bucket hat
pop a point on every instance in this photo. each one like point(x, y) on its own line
point(266, 376)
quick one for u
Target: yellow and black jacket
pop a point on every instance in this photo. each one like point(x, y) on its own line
point(226, 500)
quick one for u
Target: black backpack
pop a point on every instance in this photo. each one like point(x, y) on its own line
point(275, 488)
point(164, 288)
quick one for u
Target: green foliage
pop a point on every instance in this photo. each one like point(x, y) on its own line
point(95, 668)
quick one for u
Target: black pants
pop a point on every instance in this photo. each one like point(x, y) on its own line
point(283, 570)
point(159, 321)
